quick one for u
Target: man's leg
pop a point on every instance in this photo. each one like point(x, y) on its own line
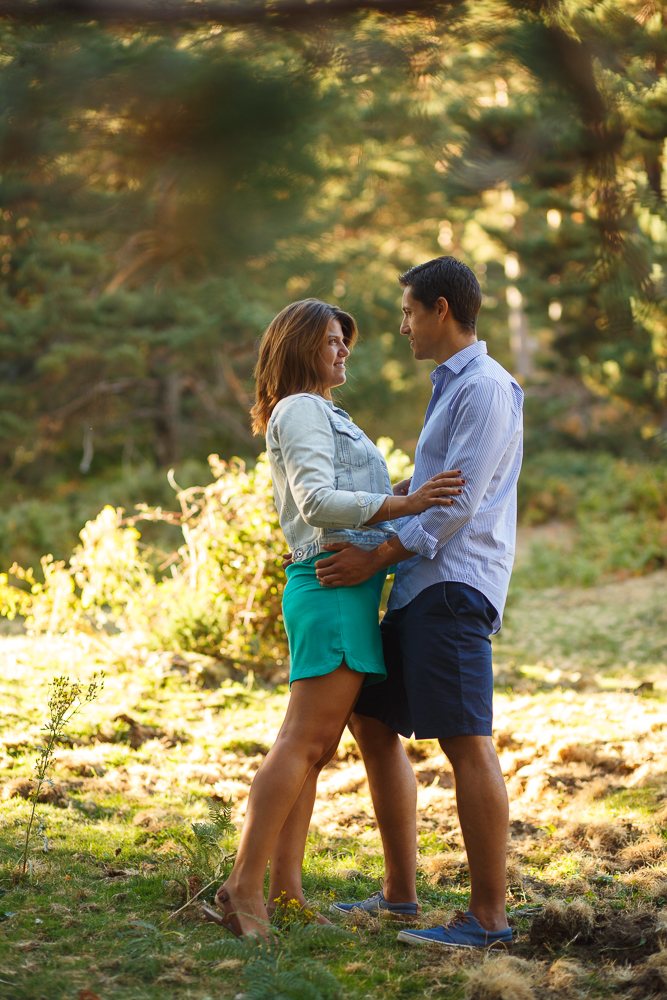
point(394, 794)
point(483, 808)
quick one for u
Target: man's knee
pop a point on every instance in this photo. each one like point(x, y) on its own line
point(468, 749)
point(372, 736)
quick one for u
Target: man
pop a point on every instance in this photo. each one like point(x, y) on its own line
point(453, 570)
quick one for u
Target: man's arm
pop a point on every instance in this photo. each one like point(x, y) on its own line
point(483, 423)
point(351, 565)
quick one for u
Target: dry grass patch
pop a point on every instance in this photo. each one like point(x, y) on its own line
point(500, 978)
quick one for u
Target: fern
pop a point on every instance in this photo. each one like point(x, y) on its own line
point(145, 946)
point(219, 825)
point(285, 977)
point(205, 856)
point(277, 969)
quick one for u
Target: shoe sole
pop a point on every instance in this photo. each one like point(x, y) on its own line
point(412, 939)
point(385, 914)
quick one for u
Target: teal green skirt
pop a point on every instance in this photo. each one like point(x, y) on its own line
point(325, 625)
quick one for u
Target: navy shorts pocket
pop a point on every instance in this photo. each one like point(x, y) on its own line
point(461, 600)
point(451, 596)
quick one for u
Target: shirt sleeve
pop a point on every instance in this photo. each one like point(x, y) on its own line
point(306, 439)
point(483, 423)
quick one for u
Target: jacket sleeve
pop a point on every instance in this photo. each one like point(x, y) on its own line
point(306, 440)
point(483, 422)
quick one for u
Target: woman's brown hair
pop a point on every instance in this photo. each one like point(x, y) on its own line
point(289, 354)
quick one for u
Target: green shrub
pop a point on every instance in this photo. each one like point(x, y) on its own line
point(219, 593)
point(617, 511)
point(222, 591)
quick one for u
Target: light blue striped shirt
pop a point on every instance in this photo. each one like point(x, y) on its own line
point(474, 422)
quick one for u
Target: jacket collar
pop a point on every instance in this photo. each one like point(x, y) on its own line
point(330, 404)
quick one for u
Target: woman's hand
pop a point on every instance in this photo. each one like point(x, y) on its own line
point(401, 489)
point(436, 492)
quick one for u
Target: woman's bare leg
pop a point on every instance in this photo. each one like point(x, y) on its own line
point(316, 715)
point(286, 864)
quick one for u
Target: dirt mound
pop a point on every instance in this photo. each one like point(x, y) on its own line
point(561, 925)
point(54, 794)
point(620, 937)
point(651, 979)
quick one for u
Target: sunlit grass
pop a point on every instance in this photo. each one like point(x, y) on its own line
point(585, 761)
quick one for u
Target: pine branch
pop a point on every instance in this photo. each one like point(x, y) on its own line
point(100, 389)
point(175, 11)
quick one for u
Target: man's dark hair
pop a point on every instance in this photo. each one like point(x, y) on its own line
point(449, 278)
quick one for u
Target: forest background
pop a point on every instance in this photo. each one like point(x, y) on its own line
point(172, 173)
point(170, 180)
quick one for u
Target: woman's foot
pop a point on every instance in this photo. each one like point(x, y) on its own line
point(242, 915)
point(283, 900)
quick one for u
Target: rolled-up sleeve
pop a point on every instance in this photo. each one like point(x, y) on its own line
point(306, 439)
point(483, 421)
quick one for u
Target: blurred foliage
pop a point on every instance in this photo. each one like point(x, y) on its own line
point(221, 596)
point(166, 187)
point(219, 593)
point(617, 511)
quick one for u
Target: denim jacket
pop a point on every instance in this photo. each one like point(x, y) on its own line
point(328, 477)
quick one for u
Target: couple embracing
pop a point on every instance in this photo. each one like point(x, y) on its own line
point(449, 536)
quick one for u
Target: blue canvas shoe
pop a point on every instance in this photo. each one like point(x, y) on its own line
point(379, 906)
point(464, 931)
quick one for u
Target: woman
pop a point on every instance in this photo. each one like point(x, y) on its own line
point(331, 484)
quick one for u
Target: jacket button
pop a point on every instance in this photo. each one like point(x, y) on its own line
point(299, 552)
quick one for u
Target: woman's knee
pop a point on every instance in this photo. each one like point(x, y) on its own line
point(327, 756)
point(317, 748)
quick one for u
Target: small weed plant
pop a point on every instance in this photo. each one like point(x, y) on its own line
point(289, 913)
point(66, 699)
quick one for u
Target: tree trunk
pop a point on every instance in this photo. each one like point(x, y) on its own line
point(167, 423)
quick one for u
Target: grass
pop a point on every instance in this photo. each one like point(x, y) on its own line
point(583, 752)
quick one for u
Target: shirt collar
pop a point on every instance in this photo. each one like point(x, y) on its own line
point(458, 362)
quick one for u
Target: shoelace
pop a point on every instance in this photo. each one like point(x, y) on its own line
point(460, 918)
point(374, 895)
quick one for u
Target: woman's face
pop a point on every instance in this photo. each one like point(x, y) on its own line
point(333, 355)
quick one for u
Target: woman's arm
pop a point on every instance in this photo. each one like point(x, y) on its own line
point(303, 433)
point(433, 493)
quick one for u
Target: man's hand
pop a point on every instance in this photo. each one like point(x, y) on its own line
point(348, 567)
point(288, 559)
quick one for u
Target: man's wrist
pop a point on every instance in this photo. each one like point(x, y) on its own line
point(388, 554)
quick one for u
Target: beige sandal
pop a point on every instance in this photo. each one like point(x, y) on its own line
point(229, 920)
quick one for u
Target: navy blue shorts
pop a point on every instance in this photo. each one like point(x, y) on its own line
point(437, 653)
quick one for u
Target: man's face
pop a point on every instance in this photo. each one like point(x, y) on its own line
point(422, 326)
